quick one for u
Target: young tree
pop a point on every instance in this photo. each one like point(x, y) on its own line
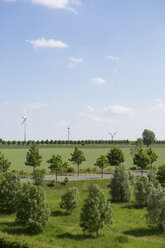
point(4, 163)
point(56, 164)
point(9, 187)
point(71, 199)
point(77, 157)
point(156, 209)
point(38, 177)
point(115, 156)
point(31, 208)
point(153, 156)
point(102, 162)
point(141, 159)
point(148, 137)
point(121, 185)
point(137, 146)
point(33, 157)
point(161, 173)
point(144, 188)
point(96, 211)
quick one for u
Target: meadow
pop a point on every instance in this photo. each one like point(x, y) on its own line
point(128, 230)
point(17, 154)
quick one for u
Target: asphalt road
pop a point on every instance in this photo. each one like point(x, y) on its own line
point(81, 177)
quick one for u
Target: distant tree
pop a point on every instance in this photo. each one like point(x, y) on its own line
point(77, 157)
point(4, 163)
point(9, 188)
point(38, 177)
point(34, 159)
point(153, 156)
point(31, 208)
point(71, 199)
point(115, 156)
point(96, 211)
point(161, 173)
point(148, 137)
point(156, 209)
point(102, 162)
point(137, 146)
point(56, 164)
point(121, 185)
point(141, 159)
point(144, 188)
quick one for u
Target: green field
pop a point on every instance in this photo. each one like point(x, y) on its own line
point(64, 231)
point(17, 154)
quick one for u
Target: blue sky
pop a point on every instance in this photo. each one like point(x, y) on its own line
point(97, 64)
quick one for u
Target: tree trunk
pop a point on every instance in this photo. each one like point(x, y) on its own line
point(78, 169)
point(102, 172)
point(97, 233)
point(141, 172)
point(56, 175)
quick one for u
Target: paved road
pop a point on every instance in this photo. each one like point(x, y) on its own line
point(81, 177)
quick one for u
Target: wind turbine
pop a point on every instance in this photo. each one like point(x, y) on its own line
point(68, 133)
point(112, 135)
point(68, 128)
point(24, 117)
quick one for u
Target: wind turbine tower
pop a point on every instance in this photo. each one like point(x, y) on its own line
point(112, 135)
point(24, 123)
point(68, 133)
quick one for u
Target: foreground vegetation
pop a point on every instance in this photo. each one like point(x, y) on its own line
point(128, 230)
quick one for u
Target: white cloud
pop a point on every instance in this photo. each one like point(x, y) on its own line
point(90, 108)
point(119, 109)
point(112, 58)
point(71, 65)
point(55, 4)
point(115, 70)
point(47, 43)
point(98, 80)
point(36, 105)
point(160, 105)
point(76, 60)
point(96, 118)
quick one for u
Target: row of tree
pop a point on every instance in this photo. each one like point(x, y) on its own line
point(141, 158)
point(147, 136)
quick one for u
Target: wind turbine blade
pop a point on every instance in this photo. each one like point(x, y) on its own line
point(115, 133)
point(110, 133)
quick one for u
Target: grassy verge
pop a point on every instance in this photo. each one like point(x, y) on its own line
point(128, 230)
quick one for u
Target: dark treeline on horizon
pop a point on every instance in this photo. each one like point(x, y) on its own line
point(72, 142)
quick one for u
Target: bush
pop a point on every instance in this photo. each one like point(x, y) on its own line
point(70, 170)
point(31, 208)
point(121, 185)
point(9, 188)
point(144, 188)
point(71, 199)
point(156, 209)
point(38, 176)
point(66, 180)
point(161, 173)
point(52, 183)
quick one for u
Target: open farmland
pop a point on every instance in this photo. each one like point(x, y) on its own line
point(17, 154)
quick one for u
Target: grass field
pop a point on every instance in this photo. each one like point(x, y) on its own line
point(17, 154)
point(64, 231)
